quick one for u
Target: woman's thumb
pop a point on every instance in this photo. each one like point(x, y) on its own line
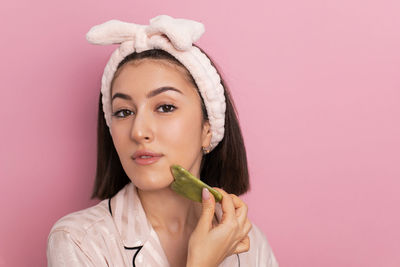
point(207, 214)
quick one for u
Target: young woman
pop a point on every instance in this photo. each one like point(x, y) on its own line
point(162, 102)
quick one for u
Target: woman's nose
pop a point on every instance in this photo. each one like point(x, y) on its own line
point(142, 130)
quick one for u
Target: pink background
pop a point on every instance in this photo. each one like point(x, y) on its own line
point(317, 88)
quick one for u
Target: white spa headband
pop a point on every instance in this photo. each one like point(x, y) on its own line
point(175, 36)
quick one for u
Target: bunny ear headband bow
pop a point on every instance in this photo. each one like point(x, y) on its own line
point(175, 36)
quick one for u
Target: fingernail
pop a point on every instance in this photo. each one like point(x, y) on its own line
point(206, 194)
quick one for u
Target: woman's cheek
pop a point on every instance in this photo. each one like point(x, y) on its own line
point(119, 137)
point(171, 131)
point(182, 131)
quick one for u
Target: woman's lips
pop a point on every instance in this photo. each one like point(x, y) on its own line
point(146, 157)
point(147, 160)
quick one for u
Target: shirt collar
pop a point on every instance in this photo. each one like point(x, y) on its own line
point(130, 219)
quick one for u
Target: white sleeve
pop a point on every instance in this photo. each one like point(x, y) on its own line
point(64, 250)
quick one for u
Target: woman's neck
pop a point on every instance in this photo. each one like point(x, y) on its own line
point(170, 212)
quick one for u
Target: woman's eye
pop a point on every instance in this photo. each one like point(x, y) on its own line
point(166, 108)
point(122, 113)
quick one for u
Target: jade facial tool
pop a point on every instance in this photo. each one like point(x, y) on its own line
point(187, 185)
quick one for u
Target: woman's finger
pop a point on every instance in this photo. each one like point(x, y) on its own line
point(243, 245)
point(247, 227)
point(240, 209)
point(228, 208)
point(204, 224)
point(238, 203)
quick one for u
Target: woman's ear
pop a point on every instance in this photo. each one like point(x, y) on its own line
point(206, 134)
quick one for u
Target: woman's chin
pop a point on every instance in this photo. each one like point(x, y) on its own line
point(153, 185)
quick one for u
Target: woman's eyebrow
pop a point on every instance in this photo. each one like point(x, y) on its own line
point(161, 90)
point(150, 94)
point(121, 95)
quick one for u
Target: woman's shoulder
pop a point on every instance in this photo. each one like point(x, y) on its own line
point(258, 236)
point(260, 250)
point(78, 223)
point(77, 238)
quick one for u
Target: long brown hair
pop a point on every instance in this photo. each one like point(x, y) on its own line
point(224, 167)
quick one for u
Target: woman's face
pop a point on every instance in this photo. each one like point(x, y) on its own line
point(156, 109)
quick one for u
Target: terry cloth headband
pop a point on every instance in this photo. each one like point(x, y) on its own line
point(175, 36)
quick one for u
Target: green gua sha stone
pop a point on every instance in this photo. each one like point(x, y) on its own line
point(187, 185)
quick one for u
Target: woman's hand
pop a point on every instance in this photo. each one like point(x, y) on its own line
point(209, 245)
